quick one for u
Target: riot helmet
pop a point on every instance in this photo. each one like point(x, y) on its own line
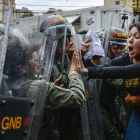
point(54, 26)
point(117, 39)
point(57, 28)
point(100, 34)
point(83, 32)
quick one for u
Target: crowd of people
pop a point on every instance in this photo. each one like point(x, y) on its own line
point(72, 78)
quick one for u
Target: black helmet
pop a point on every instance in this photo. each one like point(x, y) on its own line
point(82, 31)
point(100, 34)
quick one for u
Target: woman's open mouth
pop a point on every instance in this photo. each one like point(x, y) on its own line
point(130, 50)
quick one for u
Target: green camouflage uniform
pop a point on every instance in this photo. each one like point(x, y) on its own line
point(110, 108)
point(58, 97)
point(68, 120)
point(56, 71)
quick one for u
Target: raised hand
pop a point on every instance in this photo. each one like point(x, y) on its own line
point(74, 68)
point(133, 100)
point(57, 81)
point(85, 46)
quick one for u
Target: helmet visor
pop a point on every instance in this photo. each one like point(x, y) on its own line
point(118, 41)
point(118, 46)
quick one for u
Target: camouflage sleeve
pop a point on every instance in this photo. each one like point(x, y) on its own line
point(55, 73)
point(70, 98)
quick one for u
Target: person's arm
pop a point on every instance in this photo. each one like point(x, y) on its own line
point(114, 72)
point(119, 61)
point(70, 98)
point(117, 83)
point(114, 69)
point(133, 100)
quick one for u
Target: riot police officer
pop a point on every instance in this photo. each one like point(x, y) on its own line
point(66, 120)
point(20, 66)
point(110, 90)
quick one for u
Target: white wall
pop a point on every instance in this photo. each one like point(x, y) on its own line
point(117, 18)
point(99, 17)
point(86, 15)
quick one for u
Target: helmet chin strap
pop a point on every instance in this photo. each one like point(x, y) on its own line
point(112, 55)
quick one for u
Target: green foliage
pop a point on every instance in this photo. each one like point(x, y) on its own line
point(27, 15)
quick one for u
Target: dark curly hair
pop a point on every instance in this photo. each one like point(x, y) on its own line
point(15, 56)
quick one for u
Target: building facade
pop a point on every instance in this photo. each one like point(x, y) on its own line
point(3, 8)
point(118, 2)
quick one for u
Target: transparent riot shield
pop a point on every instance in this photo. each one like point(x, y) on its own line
point(64, 47)
point(24, 108)
point(5, 29)
point(105, 42)
point(90, 112)
point(15, 116)
point(61, 64)
point(29, 31)
point(126, 28)
point(104, 84)
point(136, 18)
point(77, 40)
point(96, 125)
point(63, 33)
point(45, 73)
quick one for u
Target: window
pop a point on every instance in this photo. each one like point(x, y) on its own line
point(117, 2)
